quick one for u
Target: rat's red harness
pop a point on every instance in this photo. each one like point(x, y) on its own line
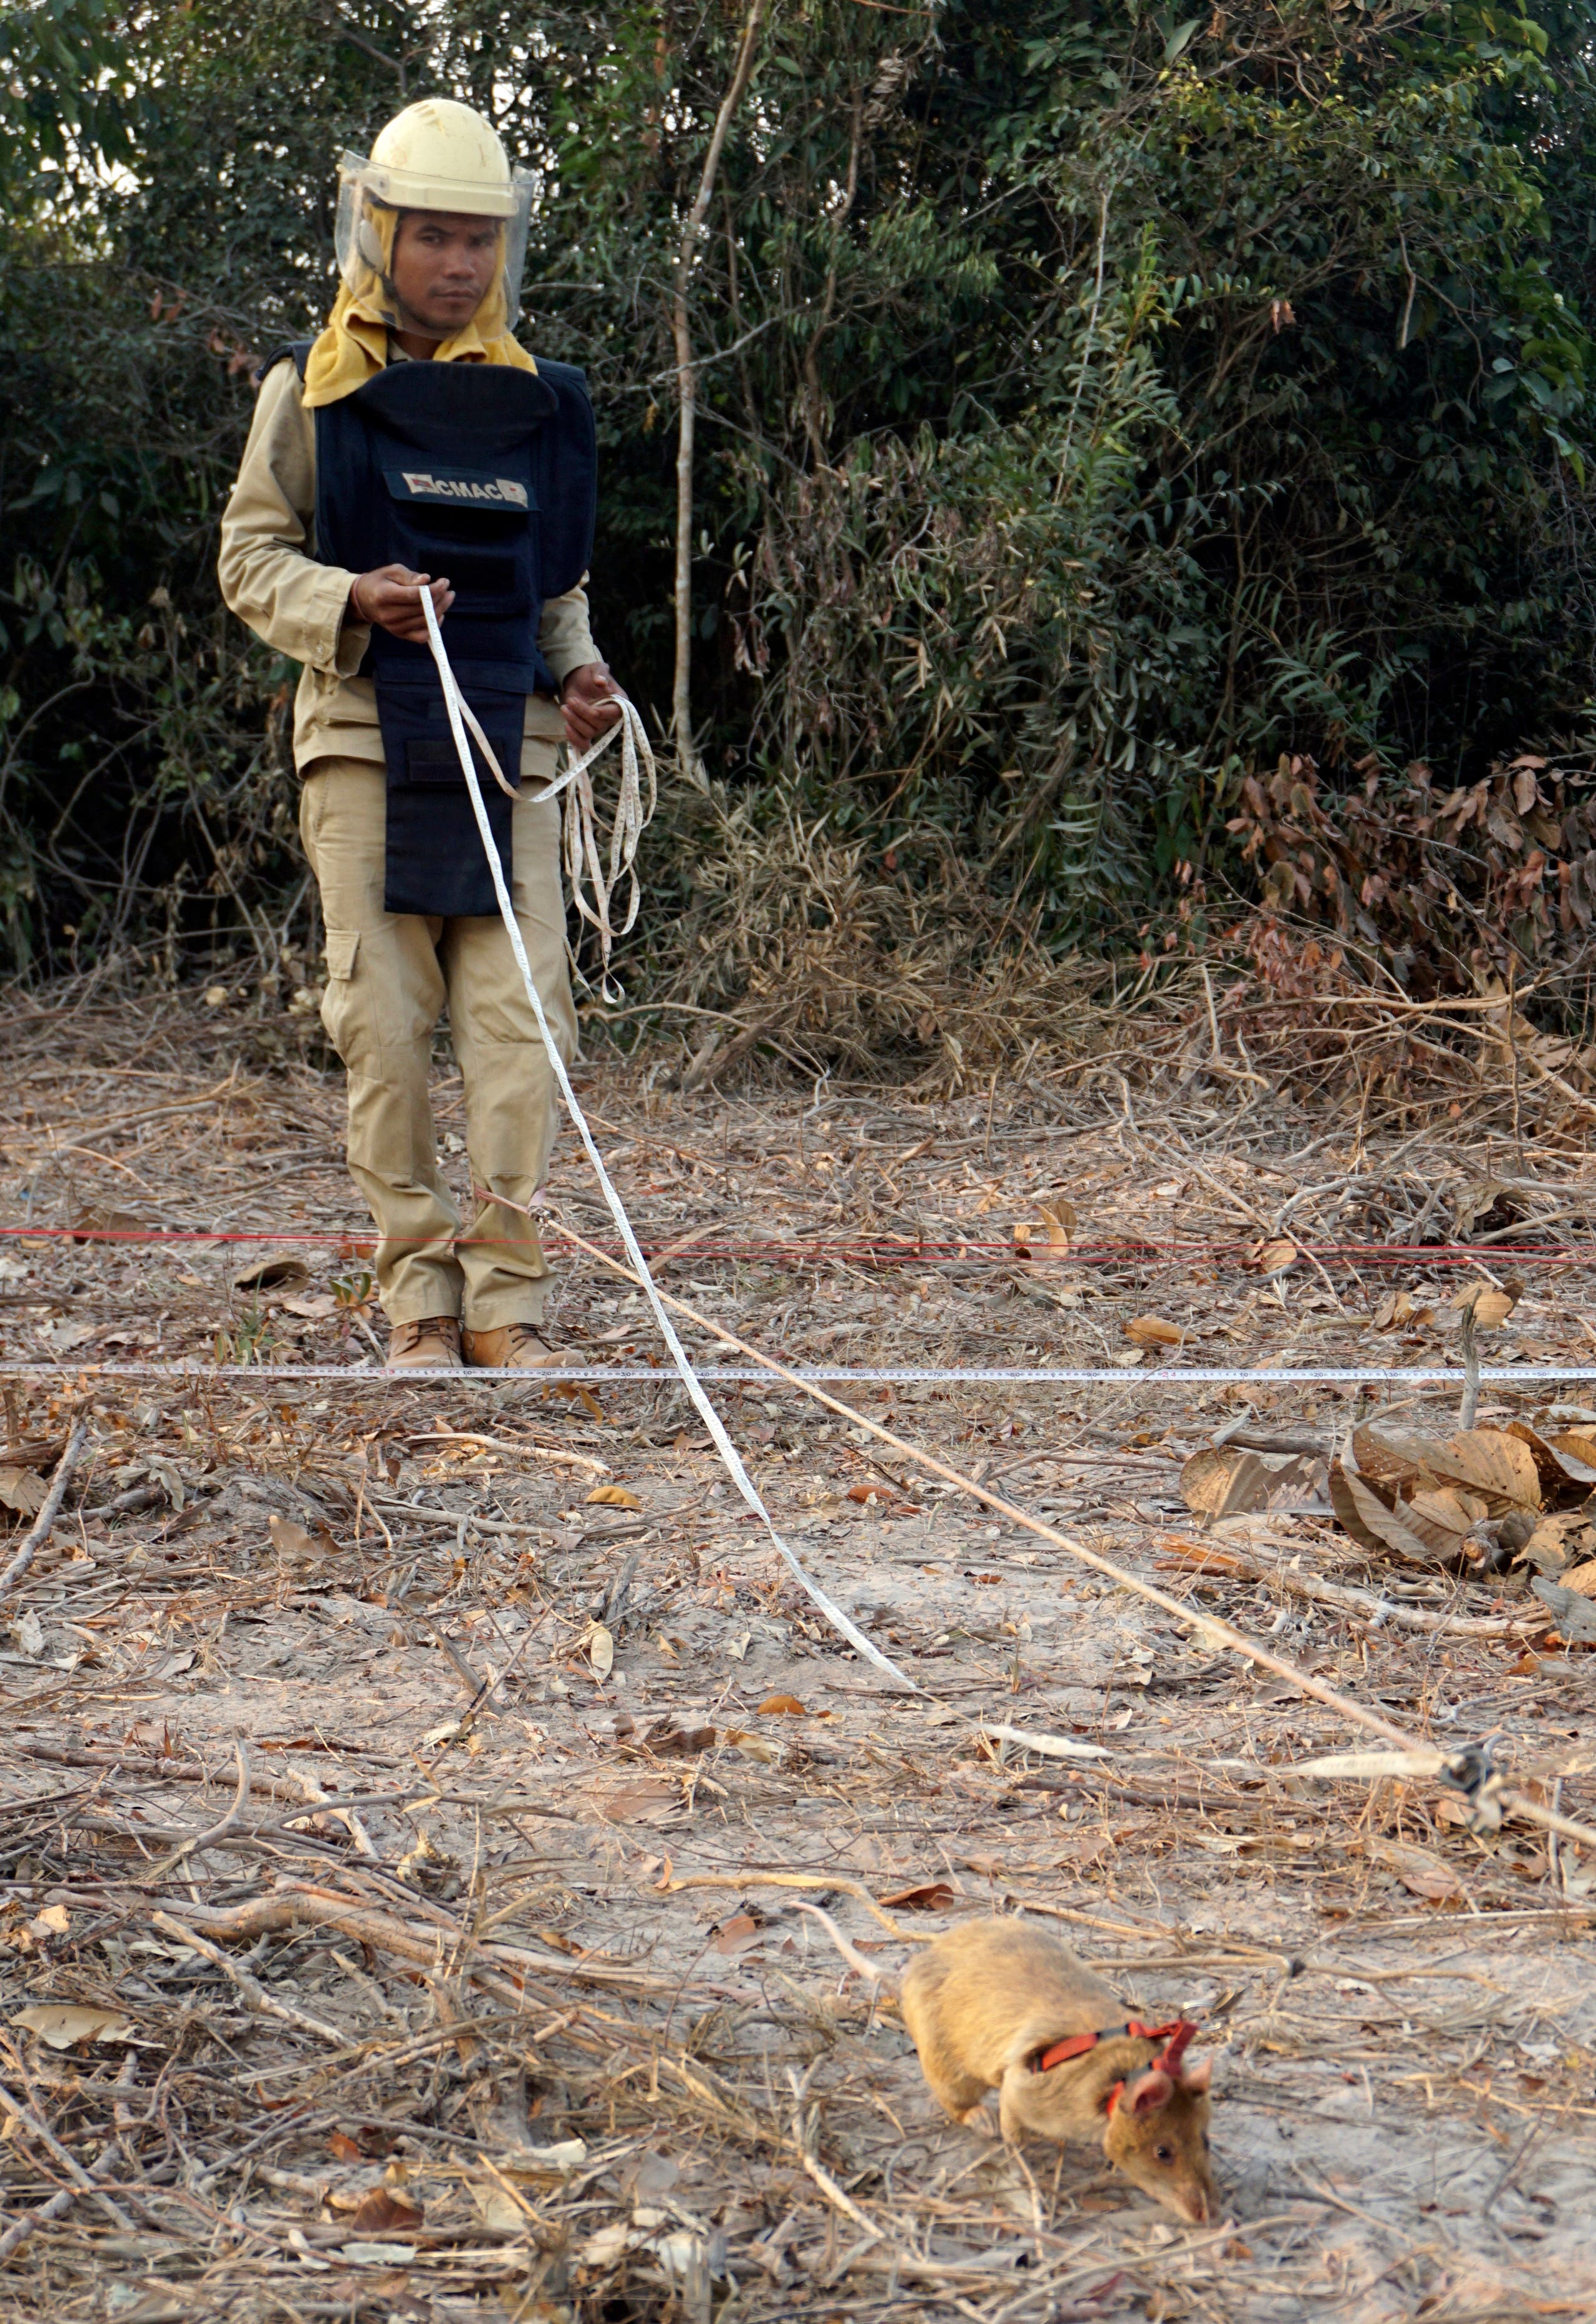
point(1176, 2035)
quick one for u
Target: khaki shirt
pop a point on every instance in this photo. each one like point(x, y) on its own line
point(270, 579)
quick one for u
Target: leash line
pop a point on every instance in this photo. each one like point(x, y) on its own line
point(617, 1209)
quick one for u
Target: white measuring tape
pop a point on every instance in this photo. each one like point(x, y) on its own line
point(581, 818)
point(459, 715)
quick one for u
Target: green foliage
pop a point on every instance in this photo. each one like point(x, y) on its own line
point(1096, 400)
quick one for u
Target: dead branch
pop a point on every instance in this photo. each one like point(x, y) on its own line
point(39, 1531)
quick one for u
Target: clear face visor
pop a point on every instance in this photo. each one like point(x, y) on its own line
point(371, 199)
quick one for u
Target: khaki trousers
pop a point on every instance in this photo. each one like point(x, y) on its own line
point(388, 978)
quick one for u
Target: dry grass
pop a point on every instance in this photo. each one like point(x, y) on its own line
point(346, 2029)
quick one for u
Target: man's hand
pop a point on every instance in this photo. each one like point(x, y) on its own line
point(390, 598)
point(587, 700)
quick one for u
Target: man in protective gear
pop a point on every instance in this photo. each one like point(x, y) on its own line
point(414, 445)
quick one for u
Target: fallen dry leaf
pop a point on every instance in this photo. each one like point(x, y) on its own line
point(1556, 1543)
point(615, 1497)
point(60, 2024)
point(787, 1705)
point(1491, 1306)
point(635, 1801)
point(283, 1272)
point(601, 1649)
point(345, 2149)
point(754, 1746)
point(319, 1304)
point(1580, 1578)
point(1491, 1462)
point(1226, 1481)
point(1154, 1331)
point(382, 2211)
point(934, 1896)
point(497, 2209)
point(666, 1741)
point(1575, 1614)
point(1396, 1311)
point(734, 1935)
point(288, 1539)
point(22, 1491)
point(29, 1633)
point(1373, 1520)
point(1420, 1873)
point(1273, 1256)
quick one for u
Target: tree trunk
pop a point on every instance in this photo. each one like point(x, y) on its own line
point(681, 709)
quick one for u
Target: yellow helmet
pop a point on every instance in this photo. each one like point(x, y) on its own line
point(436, 155)
point(441, 155)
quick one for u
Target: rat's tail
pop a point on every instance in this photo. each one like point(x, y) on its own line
point(850, 1952)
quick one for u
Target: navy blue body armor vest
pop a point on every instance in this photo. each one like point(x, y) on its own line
point(487, 475)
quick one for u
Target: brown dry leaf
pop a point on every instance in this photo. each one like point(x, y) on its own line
point(1499, 1467)
point(319, 1304)
point(1555, 1542)
point(1476, 1198)
point(22, 1490)
point(497, 2210)
point(1561, 1473)
point(1443, 1518)
point(601, 1649)
point(96, 1217)
point(1226, 1481)
point(666, 1740)
point(283, 1272)
point(1420, 1873)
point(288, 1539)
point(1371, 1520)
point(1394, 1309)
point(1492, 1306)
point(643, 1802)
point(1274, 1256)
point(735, 1934)
point(1580, 1578)
point(1061, 1223)
point(381, 2212)
point(754, 1746)
point(345, 2149)
point(615, 1497)
point(1154, 1331)
point(868, 1493)
point(787, 1705)
point(934, 1896)
point(1575, 1614)
point(1576, 1451)
point(60, 2024)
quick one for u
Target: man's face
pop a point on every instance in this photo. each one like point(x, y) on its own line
point(444, 262)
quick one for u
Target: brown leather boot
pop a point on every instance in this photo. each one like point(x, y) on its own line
point(514, 1347)
point(431, 1345)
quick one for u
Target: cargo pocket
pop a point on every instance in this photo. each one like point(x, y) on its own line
point(342, 944)
point(341, 947)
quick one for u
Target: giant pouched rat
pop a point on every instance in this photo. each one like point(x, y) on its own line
point(1000, 2006)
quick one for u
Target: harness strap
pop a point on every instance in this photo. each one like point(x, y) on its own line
point(1075, 2045)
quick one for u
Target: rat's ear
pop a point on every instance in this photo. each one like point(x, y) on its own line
point(1147, 2092)
point(1196, 2079)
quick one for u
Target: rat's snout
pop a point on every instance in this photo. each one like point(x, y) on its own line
point(1192, 2203)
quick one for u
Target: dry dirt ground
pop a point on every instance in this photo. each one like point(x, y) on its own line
point(486, 1993)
